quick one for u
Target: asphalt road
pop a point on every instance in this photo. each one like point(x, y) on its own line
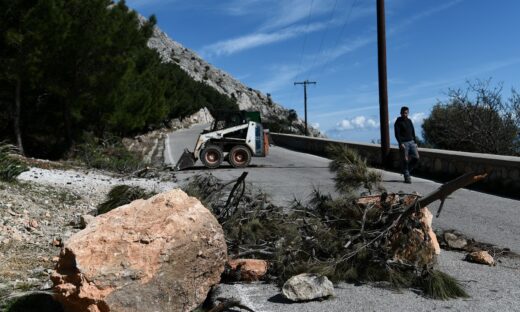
point(286, 175)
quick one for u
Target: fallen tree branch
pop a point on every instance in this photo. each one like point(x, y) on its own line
point(449, 187)
point(440, 194)
point(249, 252)
point(240, 181)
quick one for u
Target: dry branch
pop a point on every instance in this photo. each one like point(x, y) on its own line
point(449, 187)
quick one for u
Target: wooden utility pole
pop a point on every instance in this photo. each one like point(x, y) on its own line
point(305, 83)
point(383, 89)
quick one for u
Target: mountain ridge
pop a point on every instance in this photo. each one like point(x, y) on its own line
point(200, 70)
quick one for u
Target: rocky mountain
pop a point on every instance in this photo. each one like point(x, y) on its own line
point(200, 70)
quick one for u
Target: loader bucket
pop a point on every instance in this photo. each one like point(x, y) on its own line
point(187, 160)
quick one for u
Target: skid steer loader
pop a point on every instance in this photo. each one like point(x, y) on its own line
point(235, 136)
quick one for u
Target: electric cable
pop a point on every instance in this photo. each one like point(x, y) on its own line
point(340, 34)
point(324, 35)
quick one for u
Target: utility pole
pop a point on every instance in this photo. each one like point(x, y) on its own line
point(383, 89)
point(305, 83)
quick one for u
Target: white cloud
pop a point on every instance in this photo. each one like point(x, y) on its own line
point(231, 46)
point(242, 7)
point(424, 14)
point(418, 118)
point(281, 77)
point(293, 11)
point(359, 122)
point(279, 13)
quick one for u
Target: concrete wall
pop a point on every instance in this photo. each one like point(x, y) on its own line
point(441, 165)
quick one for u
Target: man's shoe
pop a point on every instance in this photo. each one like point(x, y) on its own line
point(408, 180)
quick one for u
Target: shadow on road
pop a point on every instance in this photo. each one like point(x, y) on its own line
point(279, 298)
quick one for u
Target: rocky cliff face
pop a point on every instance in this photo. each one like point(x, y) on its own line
point(200, 70)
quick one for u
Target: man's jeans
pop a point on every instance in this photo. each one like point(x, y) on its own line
point(409, 157)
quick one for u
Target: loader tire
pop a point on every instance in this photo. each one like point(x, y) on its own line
point(239, 156)
point(212, 156)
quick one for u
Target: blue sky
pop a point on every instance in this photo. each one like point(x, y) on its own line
point(269, 44)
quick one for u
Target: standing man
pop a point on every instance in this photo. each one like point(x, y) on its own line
point(405, 135)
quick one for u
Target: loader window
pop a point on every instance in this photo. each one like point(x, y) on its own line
point(227, 120)
point(219, 125)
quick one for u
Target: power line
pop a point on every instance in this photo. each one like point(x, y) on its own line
point(324, 35)
point(341, 32)
point(298, 69)
point(305, 37)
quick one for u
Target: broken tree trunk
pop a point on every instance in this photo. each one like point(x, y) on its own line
point(446, 189)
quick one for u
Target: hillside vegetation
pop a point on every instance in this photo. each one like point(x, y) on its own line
point(71, 69)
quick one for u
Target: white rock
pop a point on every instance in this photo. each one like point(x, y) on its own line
point(307, 286)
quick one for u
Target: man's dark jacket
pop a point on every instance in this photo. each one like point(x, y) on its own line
point(404, 130)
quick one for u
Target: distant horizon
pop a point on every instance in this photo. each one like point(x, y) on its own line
point(268, 45)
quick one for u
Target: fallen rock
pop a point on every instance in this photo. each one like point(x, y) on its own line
point(33, 223)
point(482, 257)
point(248, 270)
point(454, 241)
point(306, 286)
point(160, 254)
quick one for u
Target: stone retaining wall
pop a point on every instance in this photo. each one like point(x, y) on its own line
point(437, 164)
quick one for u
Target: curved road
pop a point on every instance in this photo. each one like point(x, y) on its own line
point(286, 175)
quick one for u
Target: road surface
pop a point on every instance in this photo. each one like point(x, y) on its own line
point(286, 175)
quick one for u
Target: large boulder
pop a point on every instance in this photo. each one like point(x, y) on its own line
point(160, 254)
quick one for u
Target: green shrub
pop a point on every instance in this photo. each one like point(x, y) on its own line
point(351, 170)
point(10, 167)
point(121, 195)
point(107, 154)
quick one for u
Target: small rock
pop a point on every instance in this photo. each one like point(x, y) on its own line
point(307, 286)
point(57, 242)
point(42, 258)
point(17, 237)
point(454, 241)
point(34, 224)
point(482, 257)
point(37, 270)
point(46, 285)
point(249, 269)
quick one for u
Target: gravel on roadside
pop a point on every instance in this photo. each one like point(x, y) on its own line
point(40, 211)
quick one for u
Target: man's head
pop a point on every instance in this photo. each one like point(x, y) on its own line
point(404, 112)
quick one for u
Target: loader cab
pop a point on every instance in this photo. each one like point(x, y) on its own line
point(227, 119)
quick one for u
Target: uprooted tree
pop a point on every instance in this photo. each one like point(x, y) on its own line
point(348, 238)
